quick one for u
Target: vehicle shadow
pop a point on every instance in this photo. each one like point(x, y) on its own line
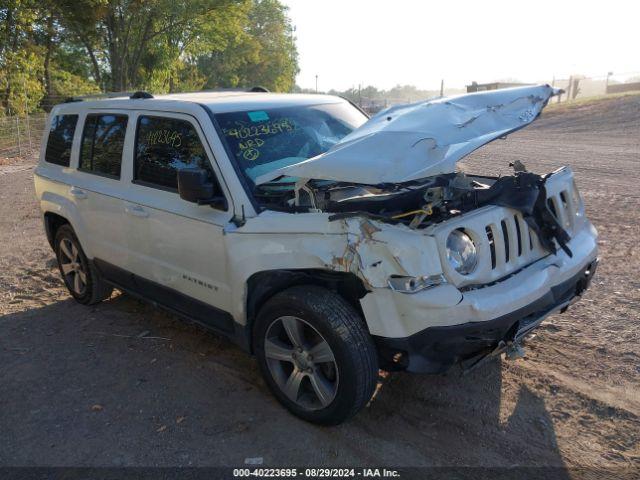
point(123, 383)
point(472, 419)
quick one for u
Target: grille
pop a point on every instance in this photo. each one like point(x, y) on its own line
point(511, 242)
point(563, 208)
point(503, 238)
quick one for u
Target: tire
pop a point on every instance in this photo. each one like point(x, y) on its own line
point(337, 383)
point(79, 275)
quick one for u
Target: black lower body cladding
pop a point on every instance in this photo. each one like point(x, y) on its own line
point(436, 349)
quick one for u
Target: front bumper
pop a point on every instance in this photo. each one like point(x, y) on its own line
point(436, 349)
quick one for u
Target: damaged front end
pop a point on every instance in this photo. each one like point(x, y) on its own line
point(419, 204)
point(422, 288)
point(399, 167)
point(455, 265)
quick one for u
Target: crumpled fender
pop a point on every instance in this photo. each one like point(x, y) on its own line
point(374, 251)
point(369, 249)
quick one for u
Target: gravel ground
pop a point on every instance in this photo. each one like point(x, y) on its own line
point(81, 387)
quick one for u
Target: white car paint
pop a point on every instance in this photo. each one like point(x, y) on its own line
point(163, 238)
point(408, 142)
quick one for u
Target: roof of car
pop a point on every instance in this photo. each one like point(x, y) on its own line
point(220, 101)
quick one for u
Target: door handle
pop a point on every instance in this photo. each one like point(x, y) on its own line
point(78, 193)
point(136, 211)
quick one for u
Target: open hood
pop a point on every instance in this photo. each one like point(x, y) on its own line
point(419, 140)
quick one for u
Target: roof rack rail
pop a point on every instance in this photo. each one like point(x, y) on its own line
point(96, 96)
point(140, 95)
point(255, 89)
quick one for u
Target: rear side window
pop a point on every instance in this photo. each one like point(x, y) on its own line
point(60, 139)
point(102, 144)
point(163, 146)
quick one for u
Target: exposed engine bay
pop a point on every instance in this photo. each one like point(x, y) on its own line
point(400, 166)
point(421, 203)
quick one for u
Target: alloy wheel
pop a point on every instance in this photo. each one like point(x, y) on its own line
point(72, 266)
point(301, 362)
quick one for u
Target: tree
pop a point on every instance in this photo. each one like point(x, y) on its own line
point(55, 48)
point(164, 43)
point(262, 52)
point(20, 68)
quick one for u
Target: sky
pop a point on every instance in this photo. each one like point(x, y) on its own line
point(384, 43)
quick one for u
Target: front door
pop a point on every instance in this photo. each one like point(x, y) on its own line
point(178, 247)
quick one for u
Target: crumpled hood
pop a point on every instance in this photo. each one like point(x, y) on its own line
point(408, 142)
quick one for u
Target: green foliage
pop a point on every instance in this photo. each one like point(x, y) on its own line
point(261, 52)
point(20, 65)
point(20, 82)
point(67, 84)
point(55, 48)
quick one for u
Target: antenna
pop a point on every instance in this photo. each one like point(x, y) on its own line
point(140, 95)
point(258, 89)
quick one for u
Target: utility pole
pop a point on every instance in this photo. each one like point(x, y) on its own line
point(18, 133)
point(316, 83)
point(442, 87)
point(606, 86)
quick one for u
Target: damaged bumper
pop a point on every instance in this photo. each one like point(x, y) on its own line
point(482, 319)
point(436, 349)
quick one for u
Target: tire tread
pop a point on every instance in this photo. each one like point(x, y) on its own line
point(99, 289)
point(343, 319)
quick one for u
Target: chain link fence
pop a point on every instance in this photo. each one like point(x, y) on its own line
point(20, 136)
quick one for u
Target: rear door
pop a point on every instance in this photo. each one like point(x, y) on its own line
point(97, 187)
point(178, 247)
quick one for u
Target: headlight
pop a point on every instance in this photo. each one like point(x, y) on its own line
point(404, 284)
point(461, 252)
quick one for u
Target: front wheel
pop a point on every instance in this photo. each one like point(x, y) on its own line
point(315, 354)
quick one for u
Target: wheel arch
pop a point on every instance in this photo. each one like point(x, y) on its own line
point(262, 286)
point(52, 222)
point(58, 210)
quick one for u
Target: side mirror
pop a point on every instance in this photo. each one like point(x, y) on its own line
point(194, 186)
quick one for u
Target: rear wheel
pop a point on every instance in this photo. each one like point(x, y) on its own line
point(316, 354)
point(80, 277)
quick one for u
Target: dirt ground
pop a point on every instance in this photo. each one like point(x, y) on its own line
point(80, 386)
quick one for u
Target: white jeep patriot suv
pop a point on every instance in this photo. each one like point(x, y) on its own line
point(327, 244)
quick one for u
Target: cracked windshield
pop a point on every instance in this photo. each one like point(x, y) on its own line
point(265, 140)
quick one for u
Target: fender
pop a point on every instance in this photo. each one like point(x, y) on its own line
point(60, 205)
point(259, 253)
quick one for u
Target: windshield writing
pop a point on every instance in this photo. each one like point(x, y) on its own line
point(265, 140)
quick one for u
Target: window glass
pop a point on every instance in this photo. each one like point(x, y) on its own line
point(265, 140)
point(163, 146)
point(60, 139)
point(102, 144)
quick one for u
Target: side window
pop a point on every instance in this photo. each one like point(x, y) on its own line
point(102, 144)
point(60, 139)
point(163, 146)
